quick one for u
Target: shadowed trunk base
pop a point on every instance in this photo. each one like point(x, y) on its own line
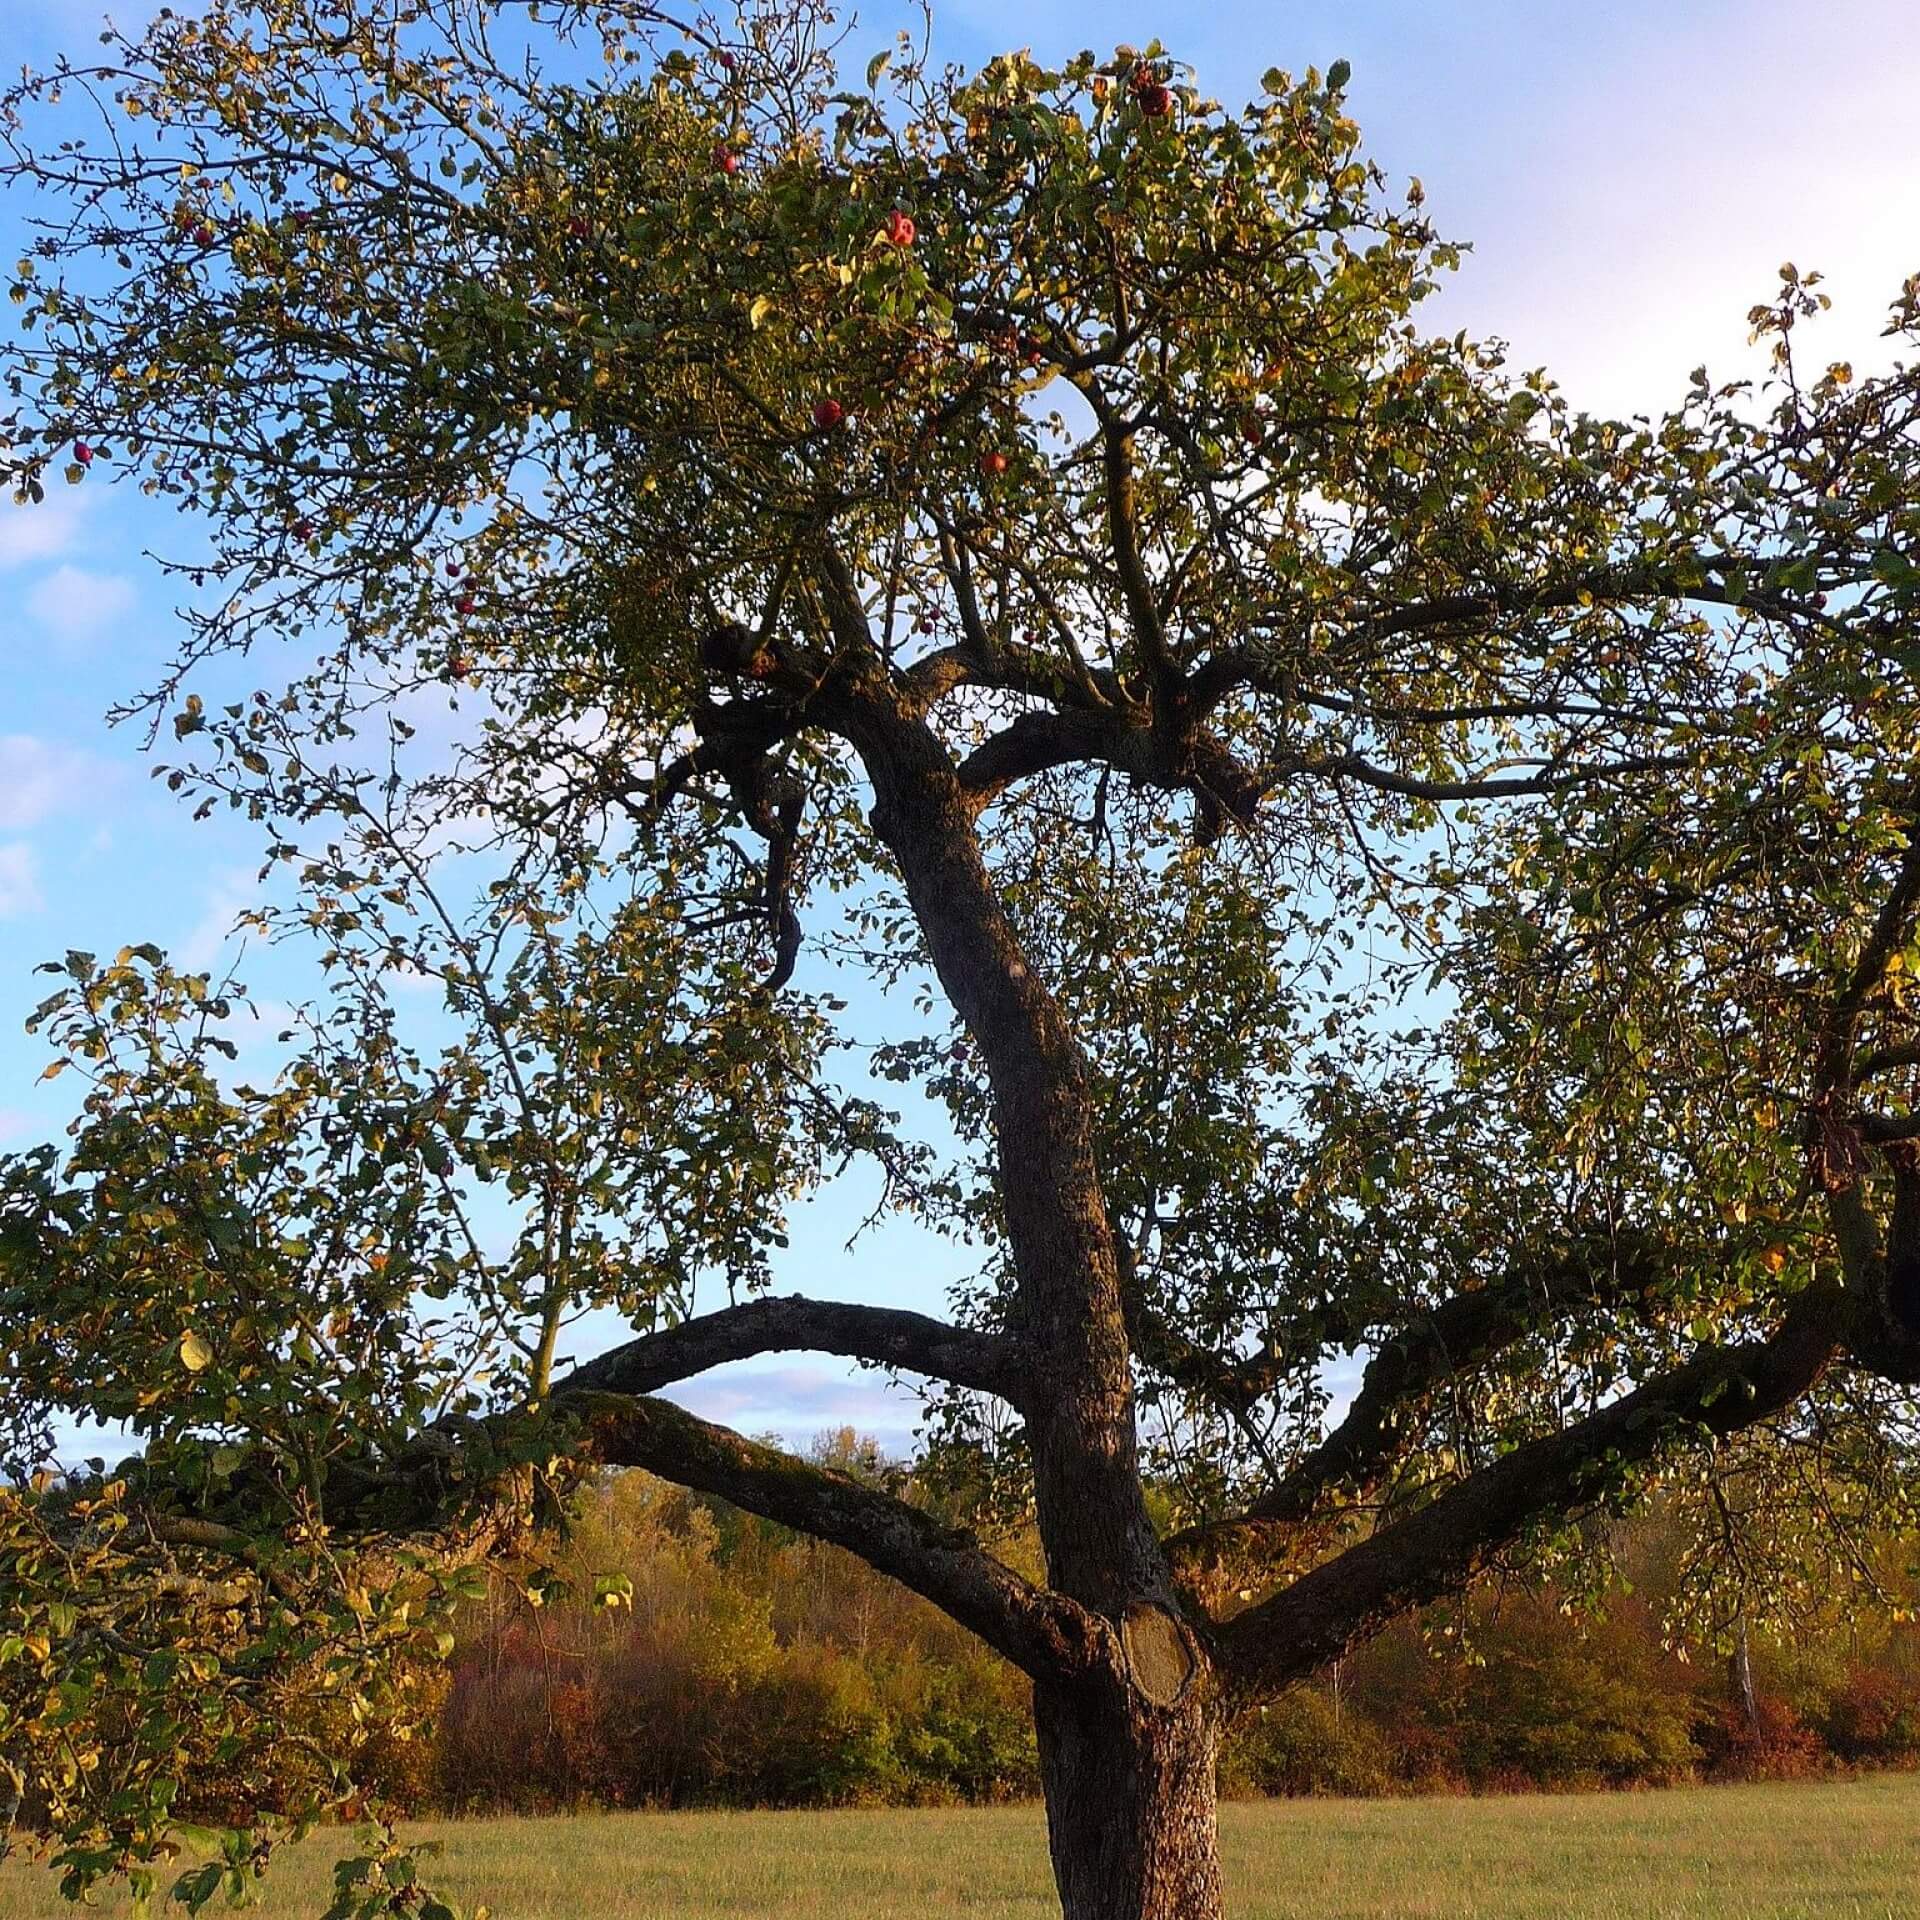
point(1130, 1803)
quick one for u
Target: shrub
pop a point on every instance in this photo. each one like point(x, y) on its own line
point(1302, 1743)
point(1775, 1744)
point(755, 1667)
point(1874, 1718)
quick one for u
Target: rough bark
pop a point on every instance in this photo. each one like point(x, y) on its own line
point(1130, 1802)
point(1126, 1756)
point(1067, 1315)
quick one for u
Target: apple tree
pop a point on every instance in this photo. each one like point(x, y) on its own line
point(771, 590)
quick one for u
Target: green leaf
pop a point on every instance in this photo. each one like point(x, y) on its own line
point(612, 1590)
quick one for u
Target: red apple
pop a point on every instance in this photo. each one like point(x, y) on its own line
point(727, 63)
point(83, 453)
point(993, 464)
point(464, 604)
point(726, 159)
point(459, 666)
point(578, 228)
point(827, 414)
point(1155, 101)
point(900, 229)
point(205, 236)
point(303, 529)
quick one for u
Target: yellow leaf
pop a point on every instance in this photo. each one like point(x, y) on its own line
point(194, 1352)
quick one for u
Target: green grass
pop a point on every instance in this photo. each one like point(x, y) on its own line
point(1725, 1853)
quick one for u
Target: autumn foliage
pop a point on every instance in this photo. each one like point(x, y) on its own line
point(754, 1667)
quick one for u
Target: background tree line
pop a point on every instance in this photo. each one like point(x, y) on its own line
point(679, 1652)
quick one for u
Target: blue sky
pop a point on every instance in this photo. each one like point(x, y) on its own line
point(1629, 178)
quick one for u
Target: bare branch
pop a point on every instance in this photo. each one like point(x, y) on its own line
point(888, 1336)
point(1489, 786)
point(1043, 1633)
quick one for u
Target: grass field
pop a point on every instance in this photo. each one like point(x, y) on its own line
point(1718, 1853)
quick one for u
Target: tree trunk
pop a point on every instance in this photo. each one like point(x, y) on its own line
point(1742, 1665)
point(1130, 1802)
point(1127, 1754)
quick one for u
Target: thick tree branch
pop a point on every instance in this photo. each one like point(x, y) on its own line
point(1460, 1334)
point(1101, 1543)
point(1189, 757)
point(1886, 936)
point(1035, 742)
point(1719, 1391)
point(791, 1324)
point(1894, 1059)
point(1043, 1633)
point(1123, 540)
point(1173, 759)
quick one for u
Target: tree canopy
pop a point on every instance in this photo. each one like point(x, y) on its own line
point(1363, 859)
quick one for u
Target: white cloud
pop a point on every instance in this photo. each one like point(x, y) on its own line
point(233, 893)
point(407, 978)
point(1631, 178)
point(19, 881)
point(37, 533)
point(798, 1402)
point(76, 606)
point(37, 777)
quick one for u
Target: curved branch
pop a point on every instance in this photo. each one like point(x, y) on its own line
point(1174, 759)
point(1123, 538)
point(1043, 1633)
point(1461, 1333)
point(1349, 766)
point(889, 1336)
point(1037, 741)
point(1719, 1390)
point(1887, 934)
